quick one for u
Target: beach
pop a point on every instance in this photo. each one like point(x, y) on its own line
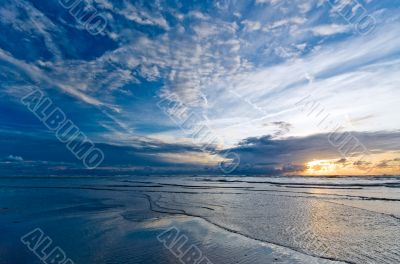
point(219, 219)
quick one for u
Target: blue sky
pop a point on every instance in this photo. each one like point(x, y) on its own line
point(242, 66)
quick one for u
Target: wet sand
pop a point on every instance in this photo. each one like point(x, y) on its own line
point(118, 220)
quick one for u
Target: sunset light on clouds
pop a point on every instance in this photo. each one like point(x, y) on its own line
point(270, 81)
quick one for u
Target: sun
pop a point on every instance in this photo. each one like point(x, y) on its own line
point(321, 167)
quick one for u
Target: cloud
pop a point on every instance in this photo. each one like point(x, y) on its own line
point(246, 85)
point(272, 2)
point(35, 74)
point(142, 16)
point(198, 15)
point(258, 155)
point(258, 152)
point(25, 18)
point(251, 25)
point(297, 20)
point(341, 73)
point(390, 163)
point(14, 158)
point(331, 29)
point(139, 154)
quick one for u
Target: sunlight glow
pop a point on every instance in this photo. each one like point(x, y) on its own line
point(321, 167)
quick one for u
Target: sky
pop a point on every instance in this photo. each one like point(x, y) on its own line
point(256, 87)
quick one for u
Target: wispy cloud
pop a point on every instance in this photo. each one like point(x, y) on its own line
point(331, 29)
point(241, 66)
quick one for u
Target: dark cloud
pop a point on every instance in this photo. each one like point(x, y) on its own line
point(45, 155)
point(272, 154)
point(34, 148)
point(258, 155)
point(281, 128)
point(390, 163)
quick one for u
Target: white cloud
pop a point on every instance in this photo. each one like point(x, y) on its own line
point(285, 22)
point(37, 75)
point(198, 15)
point(346, 74)
point(272, 2)
point(205, 30)
point(142, 16)
point(13, 15)
point(331, 29)
point(251, 25)
point(210, 56)
point(14, 158)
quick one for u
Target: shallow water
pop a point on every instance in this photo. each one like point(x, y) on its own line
point(232, 220)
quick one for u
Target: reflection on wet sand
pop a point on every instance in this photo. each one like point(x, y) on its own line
point(117, 220)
